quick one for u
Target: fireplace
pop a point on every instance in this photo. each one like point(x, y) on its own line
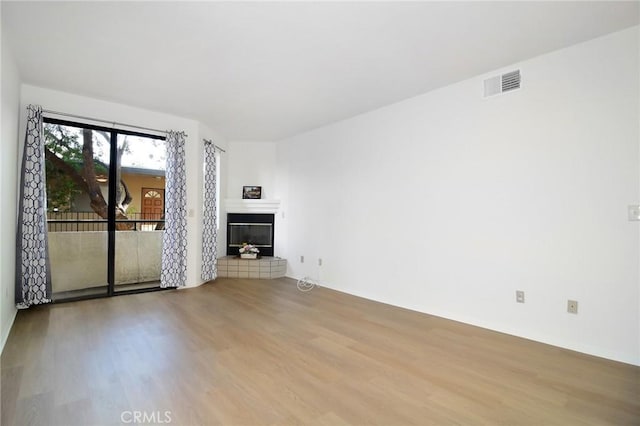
point(250, 228)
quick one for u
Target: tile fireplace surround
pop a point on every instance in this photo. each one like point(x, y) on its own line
point(263, 268)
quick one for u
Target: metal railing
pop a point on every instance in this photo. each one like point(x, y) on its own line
point(91, 222)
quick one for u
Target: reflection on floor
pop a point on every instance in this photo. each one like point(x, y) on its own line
point(102, 291)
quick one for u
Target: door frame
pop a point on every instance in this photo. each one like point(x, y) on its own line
point(111, 207)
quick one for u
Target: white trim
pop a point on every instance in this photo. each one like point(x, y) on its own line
point(236, 205)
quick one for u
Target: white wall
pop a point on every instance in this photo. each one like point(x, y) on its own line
point(448, 203)
point(251, 164)
point(82, 105)
point(255, 164)
point(10, 94)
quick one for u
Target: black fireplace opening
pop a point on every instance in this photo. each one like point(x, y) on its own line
point(250, 228)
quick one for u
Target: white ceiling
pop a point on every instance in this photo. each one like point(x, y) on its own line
point(264, 71)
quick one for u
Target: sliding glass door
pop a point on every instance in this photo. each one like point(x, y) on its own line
point(105, 209)
point(138, 248)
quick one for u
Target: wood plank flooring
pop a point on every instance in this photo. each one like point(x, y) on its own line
point(257, 352)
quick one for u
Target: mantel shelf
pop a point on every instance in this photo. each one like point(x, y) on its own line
point(237, 205)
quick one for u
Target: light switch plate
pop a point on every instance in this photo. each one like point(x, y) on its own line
point(634, 212)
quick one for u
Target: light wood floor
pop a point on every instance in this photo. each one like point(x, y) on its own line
point(253, 352)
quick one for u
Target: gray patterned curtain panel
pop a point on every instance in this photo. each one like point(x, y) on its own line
point(33, 271)
point(174, 238)
point(209, 219)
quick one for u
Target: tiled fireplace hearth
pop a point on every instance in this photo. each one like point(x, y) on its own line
point(263, 268)
point(242, 218)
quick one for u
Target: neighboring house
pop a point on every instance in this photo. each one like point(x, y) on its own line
point(146, 187)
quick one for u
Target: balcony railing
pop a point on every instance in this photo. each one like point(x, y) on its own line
point(91, 222)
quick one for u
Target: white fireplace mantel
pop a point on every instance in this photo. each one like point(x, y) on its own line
point(238, 205)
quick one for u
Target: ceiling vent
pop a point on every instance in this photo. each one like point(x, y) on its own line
point(502, 83)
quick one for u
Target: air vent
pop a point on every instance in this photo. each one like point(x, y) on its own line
point(510, 81)
point(502, 83)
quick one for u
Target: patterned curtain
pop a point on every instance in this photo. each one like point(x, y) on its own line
point(174, 239)
point(209, 220)
point(33, 271)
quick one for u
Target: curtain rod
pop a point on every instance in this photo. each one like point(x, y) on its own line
point(114, 123)
point(211, 141)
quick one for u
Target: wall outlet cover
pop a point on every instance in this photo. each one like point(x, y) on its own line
point(520, 296)
point(572, 306)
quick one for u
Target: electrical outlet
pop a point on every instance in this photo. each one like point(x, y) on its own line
point(301, 259)
point(519, 296)
point(572, 306)
point(633, 211)
point(320, 262)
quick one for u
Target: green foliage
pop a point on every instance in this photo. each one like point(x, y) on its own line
point(60, 190)
point(64, 143)
point(60, 187)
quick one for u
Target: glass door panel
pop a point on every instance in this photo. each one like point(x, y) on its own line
point(139, 212)
point(77, 171)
